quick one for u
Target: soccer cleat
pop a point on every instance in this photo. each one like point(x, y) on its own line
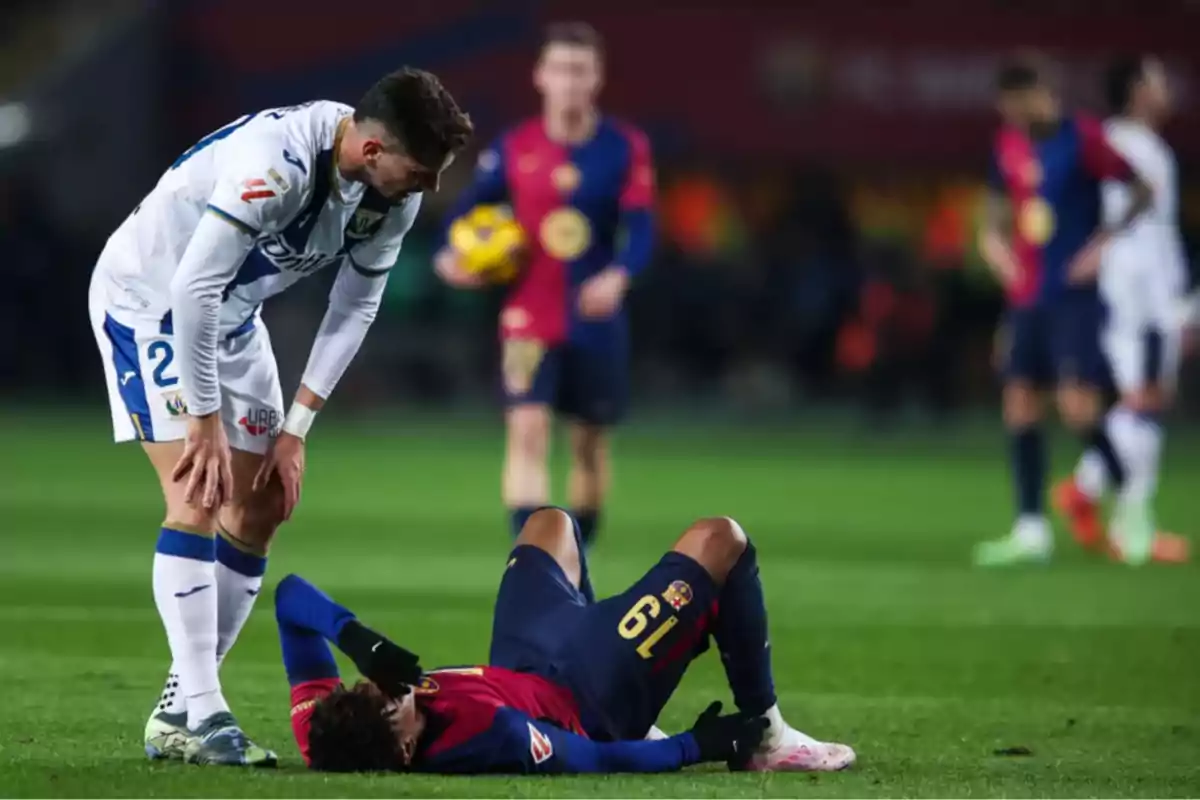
point(1170, 548)
point(799, 753)
point(1009, 551)
point(166, 735)
point(1081, 514)
point(220, 740)
point(1133, 532)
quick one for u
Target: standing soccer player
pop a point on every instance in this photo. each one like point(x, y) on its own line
point(1043, 237)
point(581, 186)
point(174, 302)
point(1143, 281)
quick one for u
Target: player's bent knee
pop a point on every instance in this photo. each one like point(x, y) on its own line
point(252, 520)
point(1079, 407)
point(1021, 407)
point(716, 544)
point(529, 432)
point(553, 530)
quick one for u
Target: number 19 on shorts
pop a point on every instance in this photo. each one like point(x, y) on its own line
point(637, 620)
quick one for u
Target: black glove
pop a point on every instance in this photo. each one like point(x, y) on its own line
point(380, 660)
point(731, 738)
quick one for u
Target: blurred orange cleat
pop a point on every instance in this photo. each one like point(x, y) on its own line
point(1081, 513)
point(1170, 548)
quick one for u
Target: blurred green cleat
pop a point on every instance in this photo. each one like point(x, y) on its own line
point(1009, 551)
point(220, 740)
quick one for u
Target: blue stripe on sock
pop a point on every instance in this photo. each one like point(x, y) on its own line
point(248, 564)
point(186, 545)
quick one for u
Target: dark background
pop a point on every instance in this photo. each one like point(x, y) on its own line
point(820, 167)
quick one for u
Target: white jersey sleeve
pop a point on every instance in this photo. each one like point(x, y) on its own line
point(355, 300)
point(258, 188)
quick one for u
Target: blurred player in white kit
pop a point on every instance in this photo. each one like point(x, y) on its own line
point(175, 305)
point(1143, 280)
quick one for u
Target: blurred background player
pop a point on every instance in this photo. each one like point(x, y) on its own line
point(175, 304)
point(1143, 281)
point(1043, 238)
point(581, 186)
point(571, 685)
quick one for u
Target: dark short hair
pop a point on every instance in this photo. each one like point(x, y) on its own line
point(349, 732)
point(1120, 79)
point(415, 108)
point(1020, 72)
point(576, 34)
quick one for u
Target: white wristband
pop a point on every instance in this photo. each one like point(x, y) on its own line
point(298, 420)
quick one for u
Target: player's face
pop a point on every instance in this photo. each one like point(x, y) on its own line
point(1023, 108)
point(568, 76)
point(395, 174)
point(408, 723)
point(1155, 89)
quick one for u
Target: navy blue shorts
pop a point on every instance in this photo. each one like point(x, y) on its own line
point(589, 383)
point(1055, 343)
point(622, 656)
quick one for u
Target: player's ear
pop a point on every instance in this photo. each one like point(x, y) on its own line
point(372, 149)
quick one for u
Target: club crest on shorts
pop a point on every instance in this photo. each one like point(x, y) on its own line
point(426, 685)
point(176, 406)
point(678, 594)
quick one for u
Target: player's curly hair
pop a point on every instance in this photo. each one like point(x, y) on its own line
point(415, 108)
point(349, 732)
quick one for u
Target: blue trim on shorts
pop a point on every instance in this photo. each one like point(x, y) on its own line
point(167, 326)
point(129, 376)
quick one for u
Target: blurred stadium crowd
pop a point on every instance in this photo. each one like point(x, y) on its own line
point(820, 179)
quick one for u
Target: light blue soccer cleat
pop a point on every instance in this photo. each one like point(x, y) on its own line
point(220, 740)
point(167, 735)
point(1010, 551)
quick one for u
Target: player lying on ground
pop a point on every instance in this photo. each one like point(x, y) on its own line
point(1043, 237)
point(1143, 281)
point(571, 685)
point(248, 211)
point(581, 185)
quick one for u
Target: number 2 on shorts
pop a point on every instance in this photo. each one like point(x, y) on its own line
point(637, 619)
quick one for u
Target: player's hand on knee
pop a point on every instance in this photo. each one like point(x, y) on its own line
point(207, 463)
point(731, 738)
point(380, 660)
point(285, 459)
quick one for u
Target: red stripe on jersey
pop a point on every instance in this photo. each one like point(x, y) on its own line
point(261, 194)
point(1018, 164)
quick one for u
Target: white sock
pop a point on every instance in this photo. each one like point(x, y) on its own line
point(1033, 530)
point(779, 732)
point(1091, 474)
point(186, 595)
point(239, 580)
point(172, 700)
point(1138, 441)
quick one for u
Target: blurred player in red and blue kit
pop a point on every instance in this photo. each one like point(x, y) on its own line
point(571, 685)
point(1044, 239)
point(581, 185)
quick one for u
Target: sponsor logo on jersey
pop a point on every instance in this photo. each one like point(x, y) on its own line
point(540, 746)
point(280, 253)
point(678, 594)
point(255, 189)
point(261, 421)
point(176, 406)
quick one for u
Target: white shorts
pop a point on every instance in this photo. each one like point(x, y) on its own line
point(1143, 333)
point(144, 390)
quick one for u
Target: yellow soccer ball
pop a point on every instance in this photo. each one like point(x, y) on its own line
point(489, 242)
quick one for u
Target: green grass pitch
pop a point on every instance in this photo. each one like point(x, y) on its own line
point(883, 636)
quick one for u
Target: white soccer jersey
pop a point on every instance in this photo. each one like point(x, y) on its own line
point(273, 174)
point(1143, 275)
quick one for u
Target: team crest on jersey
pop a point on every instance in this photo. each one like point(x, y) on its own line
point(565, 178)
point(364, 224)
point(174, 401)
point(1036, 221)
point(540, 746)
point(426, 685)
point(678, 594)
point(565, 234)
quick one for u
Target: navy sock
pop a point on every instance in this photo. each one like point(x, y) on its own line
point(1098, 439)
point(1029, 468)
point(589, 522)
point(519, 516)
point(741, 634)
